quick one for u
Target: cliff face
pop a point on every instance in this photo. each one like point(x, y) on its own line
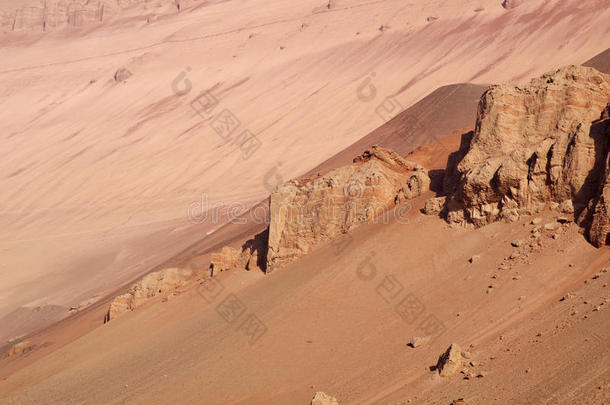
point(305, 213)
point(545, 144)
point(44, 15)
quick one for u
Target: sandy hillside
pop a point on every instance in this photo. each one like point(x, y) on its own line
point(519, 333)
point(103, 176)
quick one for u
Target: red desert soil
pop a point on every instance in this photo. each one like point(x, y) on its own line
point(90, 203)
point(523, 337)
point(98, 173)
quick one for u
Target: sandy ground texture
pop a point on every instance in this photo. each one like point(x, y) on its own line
point(339, 321)
point(102, 174)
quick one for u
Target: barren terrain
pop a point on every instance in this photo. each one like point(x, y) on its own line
point(113, 165)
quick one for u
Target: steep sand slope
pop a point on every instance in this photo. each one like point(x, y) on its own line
point(429, 121)
point(600, 62)
point(185, 351)
point(98, 176)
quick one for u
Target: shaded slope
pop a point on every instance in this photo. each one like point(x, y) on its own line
point(431, 119)
point(600, 62)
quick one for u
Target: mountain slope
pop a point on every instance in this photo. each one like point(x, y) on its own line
point(99, 174)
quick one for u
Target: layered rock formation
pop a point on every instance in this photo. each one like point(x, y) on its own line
point(304, 213)
point(44, 15)
point(542, 145)
point(159, 283)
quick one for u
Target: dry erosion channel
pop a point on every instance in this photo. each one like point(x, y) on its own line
point(433, 237)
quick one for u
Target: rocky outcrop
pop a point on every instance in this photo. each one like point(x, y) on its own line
point(159, 283)
point(251, 256)
point(227, 259)
point(321, 398)
point(20, 348)
point(536, 146)
point(45, 15)
point(304, 213)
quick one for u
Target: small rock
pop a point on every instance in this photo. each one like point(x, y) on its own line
point(417, 341)
point(474, 259)
point(555, 236)
point(321, 398)
point(566, 207)
point(536, 221)
point(568, 296)
point(551, 226)
point(122, 75)
point(450, 361)
point(481, 374)
point(517, 243)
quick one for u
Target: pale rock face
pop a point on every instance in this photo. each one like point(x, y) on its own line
point(160, 282)
point(417, 184)
point(21, 347)
point(304, 213)
point(534, 146)
point(227, 259)
point(45, 15)
point(320, 398)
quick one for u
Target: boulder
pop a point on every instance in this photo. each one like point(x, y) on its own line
point(508, 4)
point(450, 362)
point(535, 146)
point(306, 212)
point(434, 206)
point(122, 75)
point(321, 398)
point(20, 348)
point(417, 341)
